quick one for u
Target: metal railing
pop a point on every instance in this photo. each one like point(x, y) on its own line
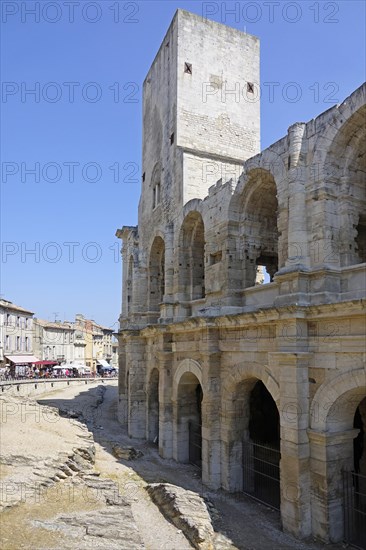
point(261, 473)
point(195, 443)
point(52, 382)
point(354, 509)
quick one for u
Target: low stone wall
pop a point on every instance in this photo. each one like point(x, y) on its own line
point(37, 387)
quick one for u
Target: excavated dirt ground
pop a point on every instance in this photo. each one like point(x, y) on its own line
point(62, 486)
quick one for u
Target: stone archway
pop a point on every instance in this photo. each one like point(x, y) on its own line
point(255, 217)
point(349, 177)
point(340, 238)
point(261, 451)
point(332, 447)
point(191, 272)
point(187, 412)
point(189, 419)
point(238, 427)
point(153, 407)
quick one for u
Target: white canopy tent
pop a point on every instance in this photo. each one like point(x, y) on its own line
point(22, 359)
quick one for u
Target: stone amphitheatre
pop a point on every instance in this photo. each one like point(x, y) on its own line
point(242, 332)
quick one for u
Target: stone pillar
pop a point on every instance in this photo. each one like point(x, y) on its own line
point(234, 431)
point(294, 465)
point(330, 452)
point(167, 310)
point(134, 284)
point(176, 454)
point(211, 444)
point(165, 398)
point(183, 406)
point(124, 280)
point(135, 357)
point(348, 219)
point(325, 232)
point(298, 254)
point(128, 235)
point(211, 440)
point(166, 415)
point(122, 411)
point(232, 268)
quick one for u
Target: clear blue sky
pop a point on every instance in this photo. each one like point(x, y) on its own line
point(319, 46)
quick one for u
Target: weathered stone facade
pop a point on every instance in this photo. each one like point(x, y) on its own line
point(201, 342)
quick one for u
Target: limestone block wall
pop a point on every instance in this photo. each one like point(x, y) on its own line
point(216, 112)
point(218, 107)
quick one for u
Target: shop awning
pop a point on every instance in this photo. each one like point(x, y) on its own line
point(103, 363)
point(22, 359)
point(40, 363)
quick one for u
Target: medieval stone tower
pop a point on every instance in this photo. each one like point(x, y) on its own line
point(200, 122)
point(263, 386)
point(200, 112)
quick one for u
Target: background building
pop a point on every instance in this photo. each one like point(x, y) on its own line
point(102, 345)
point(98, 342)
point(16, 331)
point(26, 340)
point(114, 360)
point(54, 341)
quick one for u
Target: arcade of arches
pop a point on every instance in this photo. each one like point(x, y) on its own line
point(261, 386)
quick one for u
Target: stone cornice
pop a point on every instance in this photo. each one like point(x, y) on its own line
point(267, 316)
point(324, 438)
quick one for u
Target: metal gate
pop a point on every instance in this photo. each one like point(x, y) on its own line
point(261, 473)
point(195, 443)
point(354, 508)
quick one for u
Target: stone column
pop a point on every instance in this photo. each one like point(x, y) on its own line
point(167, 311)
point(330, 452)
point(135, 357)
point(124, 280)
point(122, 411)
point(348, 220)
point(298, 255)
point(324, 232)
point(140, 289)
point(211, 441)
point(165, 397)
point(128, 235)
point(294, 465)
point(231, 268)
point(234, 431)
point(134, 283)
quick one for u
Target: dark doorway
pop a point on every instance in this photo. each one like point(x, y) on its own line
point(189, 425)
point(354, 485)
point(261, 453)
point(195, 432)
